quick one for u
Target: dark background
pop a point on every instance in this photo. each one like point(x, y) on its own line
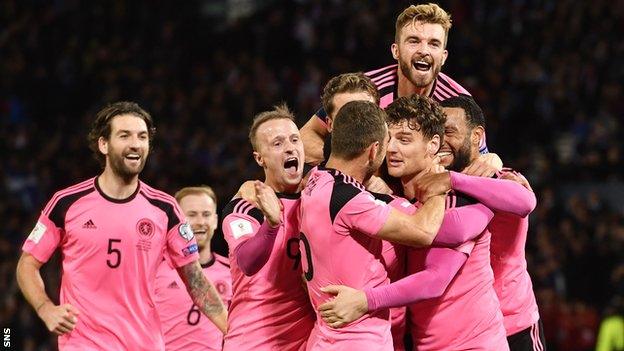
point(548, 74)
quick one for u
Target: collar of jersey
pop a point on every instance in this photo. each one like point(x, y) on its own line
point(117, 201)
point(209, 263)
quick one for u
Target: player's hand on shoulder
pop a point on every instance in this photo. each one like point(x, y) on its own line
point(59, 319)
point(247, 192)
point(377, 185)
point(347, 306)
point(268, 203)
point(516, 177)
point(485, 166)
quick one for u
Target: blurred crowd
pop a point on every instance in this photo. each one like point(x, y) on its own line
point(548, 74)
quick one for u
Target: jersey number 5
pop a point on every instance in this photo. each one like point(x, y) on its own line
point(115, 252)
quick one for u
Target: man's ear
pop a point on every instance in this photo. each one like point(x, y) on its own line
point(433, 146)
point(444, 56)
point(477, 135)
point(259, 159)
point(394, 48)
point(373, 148)
point(103, 145)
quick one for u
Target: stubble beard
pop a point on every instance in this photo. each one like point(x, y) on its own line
point(406, 69)
point(121, 170)
point(461, 159)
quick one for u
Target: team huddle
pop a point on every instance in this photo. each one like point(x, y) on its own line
point(384, 217)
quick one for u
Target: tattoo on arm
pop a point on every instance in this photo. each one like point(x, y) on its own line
point(202, 292)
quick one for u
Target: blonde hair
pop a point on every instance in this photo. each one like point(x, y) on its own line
point(425, 13)
point(196, 190)
point(278, 112)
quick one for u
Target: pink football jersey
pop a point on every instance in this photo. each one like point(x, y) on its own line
point(111, 250)
point(184, 326)
point(269, 310)
point(467, 316)
point(339, 221)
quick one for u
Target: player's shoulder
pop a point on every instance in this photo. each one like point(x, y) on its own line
point(456, 199)
point(450, 86)
point(64, 198)
point(84, 186)
point(384, 197)
point(239, 206)
point(384, 77)
point(381, 72)
point(345, 188)
point(155, 194)
point(164, 202)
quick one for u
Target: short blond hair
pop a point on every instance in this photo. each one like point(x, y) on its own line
point(196, 190)
point(278, 112)
point(425, 13)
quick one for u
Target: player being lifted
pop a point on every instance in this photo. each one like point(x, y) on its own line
point(270, 309)
point(182, 324)
point(113, 231)
point(421, 34)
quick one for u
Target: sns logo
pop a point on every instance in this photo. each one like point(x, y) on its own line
point(7, 337)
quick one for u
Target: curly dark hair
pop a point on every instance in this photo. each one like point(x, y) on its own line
point(421, 114)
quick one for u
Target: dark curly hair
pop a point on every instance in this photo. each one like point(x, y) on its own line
point(421, 114)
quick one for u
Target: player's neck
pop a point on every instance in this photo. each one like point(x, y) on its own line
point(205, 255)
point(351, 168)
point(117, 187)
point(407, 88)
point(408, 186)
point(279, 187)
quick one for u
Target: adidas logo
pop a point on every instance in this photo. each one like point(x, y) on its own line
point(89, 225)
point(173, 285)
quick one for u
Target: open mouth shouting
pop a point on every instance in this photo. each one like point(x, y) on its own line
point(421, 65)
point(291, 165)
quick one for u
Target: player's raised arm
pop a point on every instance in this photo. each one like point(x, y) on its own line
point(253, 253)
point(498, 194)
point(58, 319)
point(204, 294)
point(313, 135)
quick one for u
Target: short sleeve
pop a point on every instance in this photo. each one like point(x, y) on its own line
point(403, 206)
point(182, 247)
point(364, 214)
point(43, 239)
